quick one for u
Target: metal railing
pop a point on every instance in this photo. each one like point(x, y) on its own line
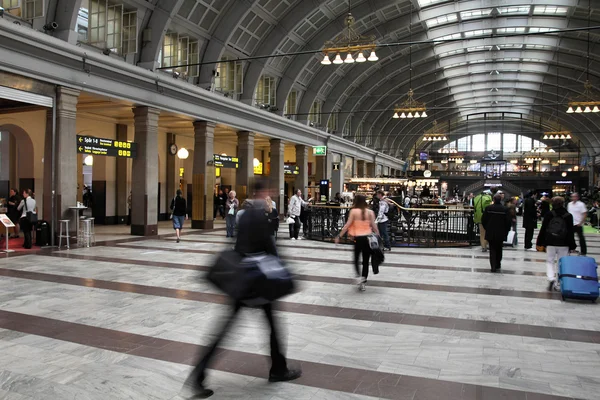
point(436, 226)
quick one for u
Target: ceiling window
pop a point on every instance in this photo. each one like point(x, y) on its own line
point(426, 3)
point(478, 32)
point(289, 110)
point(106, 25)
point(509, 143)
point(472, 14)
point(478, 142)
point(452, 36)
point(26, 9)
point(444, 19)
point(511, 30)
point(229, 78)
point(550, 10)
point(266, 90)
point(314, 114)
point(514, 10)
point(541, 30)
point(494, 141)
point(451, 53)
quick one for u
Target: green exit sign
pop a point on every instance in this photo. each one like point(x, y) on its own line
point(320, 150)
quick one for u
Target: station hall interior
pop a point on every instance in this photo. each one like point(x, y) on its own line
point(109, 108)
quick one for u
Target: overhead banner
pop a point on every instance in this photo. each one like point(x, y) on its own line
point(291, 169)
point(226, 161)
point(105, 147)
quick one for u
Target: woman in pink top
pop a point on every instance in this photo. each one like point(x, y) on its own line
point(361, 223)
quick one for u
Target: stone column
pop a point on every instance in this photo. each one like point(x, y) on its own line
point(337, 177)
point(245, 172)
point(172, 172)
point(203, 180)
point(66, 158)
point(361, 168)
point(392, 172)
point(144, 177)
point(122, 194)
point(276, 177)
point(302, 163)
point(370, 170)
point(4, 164)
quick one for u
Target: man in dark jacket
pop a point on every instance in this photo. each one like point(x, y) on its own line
point(497, 223)
point(254, 236)
point(529, 219)
point(557, 235)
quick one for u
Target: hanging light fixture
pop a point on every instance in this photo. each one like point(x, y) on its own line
point(350, 42)
point(396, 116)
point(326, 60)
point(435, 134)
point(589, 99)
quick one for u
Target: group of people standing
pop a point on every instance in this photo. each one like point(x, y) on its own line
point(556, 236)
point(18, 208)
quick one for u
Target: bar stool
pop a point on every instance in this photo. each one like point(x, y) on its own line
point(80, 231)
point(86, 225)
point(65, 223)
point(92, 230)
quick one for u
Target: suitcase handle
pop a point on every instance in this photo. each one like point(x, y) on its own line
point(585, 278)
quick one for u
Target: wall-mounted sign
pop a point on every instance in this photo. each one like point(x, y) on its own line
point(226, 161)
point(336, 166)
point(320, 150)
point(427, 173)
point(291, 169)
point(105, 147)
point(258, 169)
point(181, 172)
point(564, 182)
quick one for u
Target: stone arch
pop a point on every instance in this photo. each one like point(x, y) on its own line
point(21, 167)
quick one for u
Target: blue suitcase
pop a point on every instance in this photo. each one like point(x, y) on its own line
point(578, 278)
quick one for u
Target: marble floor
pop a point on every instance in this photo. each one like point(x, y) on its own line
point(127, 319)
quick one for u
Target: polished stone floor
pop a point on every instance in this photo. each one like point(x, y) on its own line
point(127, 318)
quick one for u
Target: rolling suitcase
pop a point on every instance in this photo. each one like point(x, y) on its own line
point(578, 278)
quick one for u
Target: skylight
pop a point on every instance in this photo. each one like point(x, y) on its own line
point(451, 53)
point(478, 32)
point(450, 37)
point(538, 46)
point(514, 10)
point(426, 3)
point(478, 48)
point(541, 30)
point(510, 30)
point(510, 46)
point(483, 12)
point(443, 19)
point(550, 10)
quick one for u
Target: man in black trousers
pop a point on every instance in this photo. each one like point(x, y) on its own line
point(497, 223)
point(530, 219)
point(254, 237)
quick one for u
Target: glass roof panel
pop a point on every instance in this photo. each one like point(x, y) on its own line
point(514, 10)
point(425, 3)
point(443, 19)
point(480, 13)
point(550, 10)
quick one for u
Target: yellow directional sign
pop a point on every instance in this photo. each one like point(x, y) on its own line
point(105, 147)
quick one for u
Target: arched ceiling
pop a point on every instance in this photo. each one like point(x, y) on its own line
point(534, 70)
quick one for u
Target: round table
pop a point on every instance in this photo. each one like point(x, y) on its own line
point(76, 210)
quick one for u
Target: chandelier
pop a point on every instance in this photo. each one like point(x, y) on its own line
point(410, 108)
point(349, 42)
point(458, 160)
point(435, 134)
point(557, 135)
point(447, 151)
point(586, 102)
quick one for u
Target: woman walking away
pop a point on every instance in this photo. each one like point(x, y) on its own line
point(361, 223)
point(27, 206)
point(179, 209)
point(231, 208)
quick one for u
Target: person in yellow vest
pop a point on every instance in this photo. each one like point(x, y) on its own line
point(480, 203)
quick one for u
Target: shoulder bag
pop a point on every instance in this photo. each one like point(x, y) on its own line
point(30, 215)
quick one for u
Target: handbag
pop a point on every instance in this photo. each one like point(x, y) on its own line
point(253, 280)
point(30, 215)
point(290, 220)
point(373, 241)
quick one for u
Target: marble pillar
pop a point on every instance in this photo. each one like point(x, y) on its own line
point(245, 172)
point(276, 177)
point(203, 179)
point(302, 163)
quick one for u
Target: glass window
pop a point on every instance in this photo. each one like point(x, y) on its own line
point(463, 144)
point(314, 114)
point(478, 142)
point(494, 140)
point(524, 143)
point(290, 105)
point(265, 90)
point(97, 23)
point(510, 143)
point(129, 32)
point(332, 124)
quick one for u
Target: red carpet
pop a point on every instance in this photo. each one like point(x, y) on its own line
point(17, 245)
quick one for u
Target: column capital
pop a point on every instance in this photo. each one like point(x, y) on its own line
point(66, 102)
point(205, 124)
point(245, 134)
point(277, 143)
point(144, 111)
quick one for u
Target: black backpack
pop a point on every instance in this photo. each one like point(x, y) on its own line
point(557, 228)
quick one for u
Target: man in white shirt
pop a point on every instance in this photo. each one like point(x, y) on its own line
point(579, 212)
point(383, 221)
point(295, 208)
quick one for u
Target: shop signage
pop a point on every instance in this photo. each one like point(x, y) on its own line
point(258, 169)
point(6, 221)
point(320, 150)
point(105, 147)
point(564, 182)
point(291, 169)
point(336, 166)
point(226, 161)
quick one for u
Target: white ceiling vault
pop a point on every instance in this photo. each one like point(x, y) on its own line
point(473, 73)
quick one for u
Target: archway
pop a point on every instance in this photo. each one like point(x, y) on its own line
point(17, 160)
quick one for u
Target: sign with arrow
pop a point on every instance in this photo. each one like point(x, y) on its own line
point(105, 147)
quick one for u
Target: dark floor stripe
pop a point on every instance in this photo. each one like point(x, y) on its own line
point(330, 279)
point(503, 328)
point(338, 261)
point(318, 375)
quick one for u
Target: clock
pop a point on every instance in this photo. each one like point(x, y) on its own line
point(427, 174)
point(173, 149)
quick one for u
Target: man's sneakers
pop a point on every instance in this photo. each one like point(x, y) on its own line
point(287, 376)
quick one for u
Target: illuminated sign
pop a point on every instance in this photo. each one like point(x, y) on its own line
point(320, 150)
point(564, 182)
point(226, 161)
point(181, 172)
point(291, 169)
point(258, 169)
point(105, 147)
